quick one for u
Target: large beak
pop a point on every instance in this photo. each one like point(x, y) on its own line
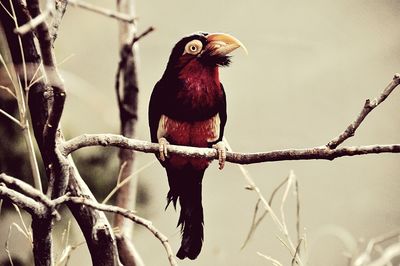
point(222, 44)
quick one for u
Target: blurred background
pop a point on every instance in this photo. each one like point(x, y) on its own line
point(310, 67)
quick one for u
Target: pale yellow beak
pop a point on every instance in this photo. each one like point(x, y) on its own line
point(223, 44)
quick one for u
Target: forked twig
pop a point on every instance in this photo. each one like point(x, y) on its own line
point(368, 107)
point(255, 223)
point(8, 90)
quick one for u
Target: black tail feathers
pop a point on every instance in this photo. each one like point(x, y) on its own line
point(185, 185)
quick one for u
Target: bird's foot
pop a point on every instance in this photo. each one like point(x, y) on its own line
point(163, 152)
point(221, 149)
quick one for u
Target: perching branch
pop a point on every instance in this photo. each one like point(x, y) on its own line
point(327, 152)
point(314, 153)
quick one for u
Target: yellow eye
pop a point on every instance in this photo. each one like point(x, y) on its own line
point(193, 47)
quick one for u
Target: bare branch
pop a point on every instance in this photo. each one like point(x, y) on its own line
point(60, 8)
point(102, 11)
point(26, 189)
point(140, 36)
point(22, 201)
point(314, 153)
point(130, 215)
point(38, 19)
point(93, 223)
point(56, 166)
point(368, 107)
point(127, 97)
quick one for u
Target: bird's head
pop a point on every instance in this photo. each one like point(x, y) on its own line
point(202, 49)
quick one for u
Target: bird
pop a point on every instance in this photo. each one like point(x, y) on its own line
point(188, 107)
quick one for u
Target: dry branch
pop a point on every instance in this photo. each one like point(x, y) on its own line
point(25, 188)
point(314, 153)
point(130, 215)
point(368, 107)
point(102, 11)
point(22, 201)
point(127, 93)
point(38, 19)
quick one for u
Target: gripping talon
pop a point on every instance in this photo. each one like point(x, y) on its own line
point(221, 149)
point(163, 152)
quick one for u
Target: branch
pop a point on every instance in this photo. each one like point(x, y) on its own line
point(93, 223)
point(127, 98)
point(314, 153)
point(55, 164)
point(368, 107)
point(22, 201)
point(42, 215)
point(130, 215)
point(102, 11)
point(37, 20)
point(140, 36)
point(25, 188)
point(60, 8)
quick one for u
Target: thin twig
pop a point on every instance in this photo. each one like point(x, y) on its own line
point(297, 210)
point(6, 246)
point(24, 112)
point(121, 169)
point(26, 232)
point(126, 180)
point(140, 36)
point(297, 252)
point(11, 118)
point(102, 11)
point(255, 223)
point(274, 261)
point(368, 107)
point(7, 89)
point(284, 197)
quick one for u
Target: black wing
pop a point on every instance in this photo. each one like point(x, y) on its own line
point(222, 114)
point(155, 110)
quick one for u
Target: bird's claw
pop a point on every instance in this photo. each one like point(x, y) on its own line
point(221, 149)
point(163, 152)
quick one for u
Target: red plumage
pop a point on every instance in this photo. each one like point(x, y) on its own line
point(188, 107)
